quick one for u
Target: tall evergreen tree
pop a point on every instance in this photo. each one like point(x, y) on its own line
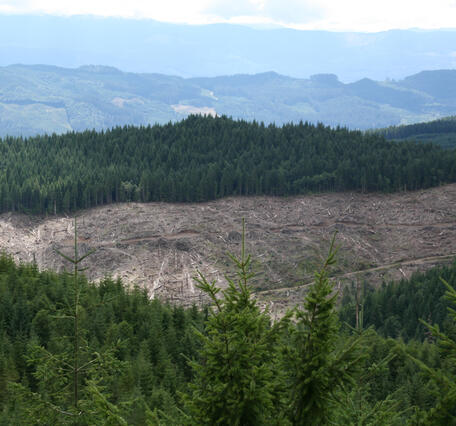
point(71, 379)
point(235, 382)
point(318, 367)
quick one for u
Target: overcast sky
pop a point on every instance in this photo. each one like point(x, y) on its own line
point(344, 15)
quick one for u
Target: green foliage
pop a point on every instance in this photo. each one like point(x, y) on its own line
point(203, 158)
point(52, 401)
point(441, 132)
point(395, 309)
point(444, 411)
point(133, 344)
point(301, 372)
point(137, 357)
point(69, 379)
point(317, 367)
point(235, 382)
point(359, 411)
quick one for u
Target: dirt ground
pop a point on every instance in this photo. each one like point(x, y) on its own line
point(161, 246)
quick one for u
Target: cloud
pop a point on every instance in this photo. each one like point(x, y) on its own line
point(195, 11)
point(10, 6)
point(6, 8)
point(169, 10)
point(378, 15)
point(345, 15)
point(285, 11)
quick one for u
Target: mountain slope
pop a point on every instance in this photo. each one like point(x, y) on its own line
point(205, 158)
point(211, 50)
point(46, 99)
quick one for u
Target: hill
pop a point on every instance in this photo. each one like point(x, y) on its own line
point(48, 99)
point(441, 132)
point(205, 158)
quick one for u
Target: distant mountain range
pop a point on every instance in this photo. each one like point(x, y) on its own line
point(221, 49)
point(44, 99)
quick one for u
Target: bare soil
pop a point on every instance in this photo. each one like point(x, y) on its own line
point(161, 246)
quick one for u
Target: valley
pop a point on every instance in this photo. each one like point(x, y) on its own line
point(43, 99)
point(215, 213)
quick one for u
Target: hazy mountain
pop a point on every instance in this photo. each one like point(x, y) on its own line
point(221, 49)
point(45, 99)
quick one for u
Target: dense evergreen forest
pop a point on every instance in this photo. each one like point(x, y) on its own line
point(203, 158)
point(148, 342)
point(396, 308)
point(441, 132)
point(142, 362)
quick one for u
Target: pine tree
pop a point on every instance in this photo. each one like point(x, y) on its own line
point(235, 383)
point(317, 367)
point(71, 380)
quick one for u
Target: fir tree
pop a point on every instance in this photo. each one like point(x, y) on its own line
point(317, 367)
point(235, 382)
point(61, 374)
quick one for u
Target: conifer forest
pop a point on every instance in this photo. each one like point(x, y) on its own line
point(204, 158)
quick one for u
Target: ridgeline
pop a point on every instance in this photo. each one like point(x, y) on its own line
point(442, 132)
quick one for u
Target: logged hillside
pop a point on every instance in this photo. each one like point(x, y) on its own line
point(45, 99)
point(205, 158)
point(160, 246)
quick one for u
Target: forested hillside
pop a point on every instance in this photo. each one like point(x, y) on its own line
point(145, 363)
point(40, 99)
point(396, 308)
point(203, 158)
point(441, 132)
point(148, 341)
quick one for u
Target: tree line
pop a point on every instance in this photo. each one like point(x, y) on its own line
point(205, 158)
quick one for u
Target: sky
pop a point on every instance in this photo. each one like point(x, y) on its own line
point(333, 15)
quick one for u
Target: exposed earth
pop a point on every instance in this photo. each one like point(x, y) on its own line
point(160, 246)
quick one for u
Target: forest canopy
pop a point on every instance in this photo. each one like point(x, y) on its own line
point(204, 158)
point(442, 132)
point(153, 364)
